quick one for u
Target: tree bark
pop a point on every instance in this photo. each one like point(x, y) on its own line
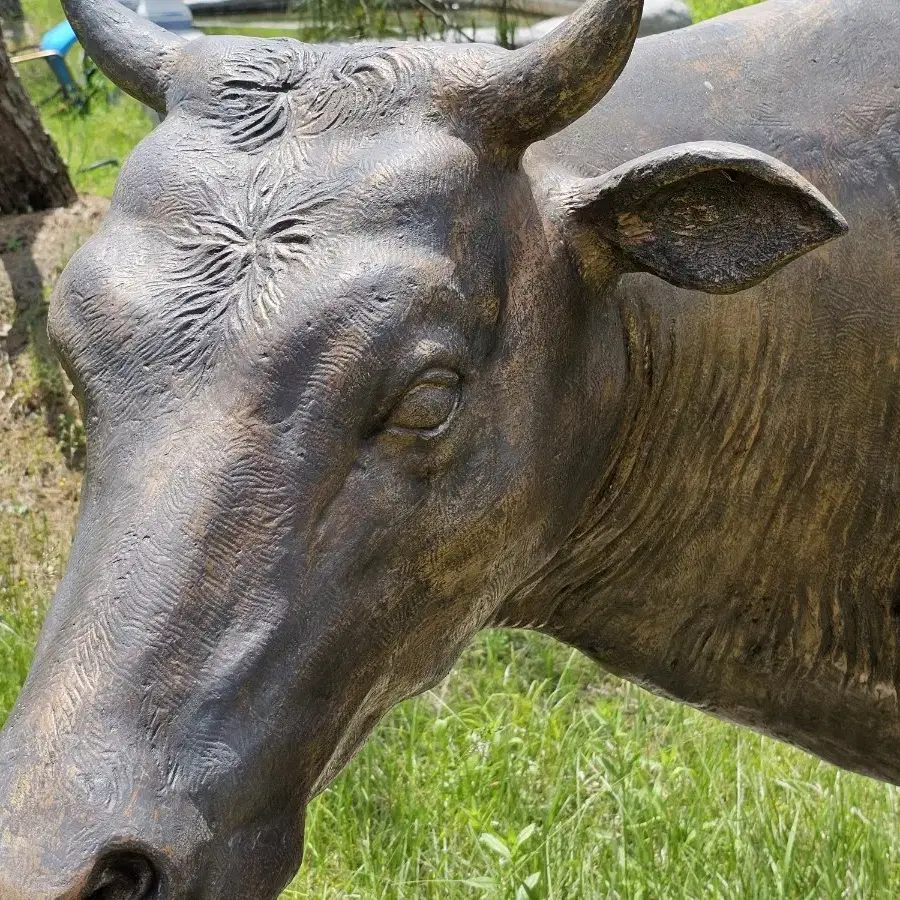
point(32, 173)
point(10, 10)
point(12, 20)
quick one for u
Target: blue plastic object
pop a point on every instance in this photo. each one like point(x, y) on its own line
point(59, 40)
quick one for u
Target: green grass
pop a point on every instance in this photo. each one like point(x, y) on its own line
point(529, 774)
point(706, 9)
point(106, 131)
point(276, 31)
point(42, 14)
point(21, 601)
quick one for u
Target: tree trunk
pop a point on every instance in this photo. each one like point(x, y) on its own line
point(32, 173)
point(10, 10)
point(12, 20)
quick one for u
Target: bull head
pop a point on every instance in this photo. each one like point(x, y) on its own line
point(351, 370)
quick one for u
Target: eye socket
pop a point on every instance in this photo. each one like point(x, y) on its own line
point(428, 405)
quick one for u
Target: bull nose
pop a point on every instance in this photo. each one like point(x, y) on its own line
point(117, 875)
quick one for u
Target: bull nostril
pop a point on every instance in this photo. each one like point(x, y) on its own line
point(124, 875)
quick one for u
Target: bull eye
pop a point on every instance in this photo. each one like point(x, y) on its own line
point(428, 405)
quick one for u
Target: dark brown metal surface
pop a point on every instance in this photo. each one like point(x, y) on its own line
point(360, 380)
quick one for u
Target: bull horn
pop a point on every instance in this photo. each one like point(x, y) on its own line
point(131, 51)
point(532, 93)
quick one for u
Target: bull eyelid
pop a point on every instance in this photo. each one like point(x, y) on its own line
point(432, 377)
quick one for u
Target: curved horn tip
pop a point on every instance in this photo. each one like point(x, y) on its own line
point(532, 93)
point(130, 50)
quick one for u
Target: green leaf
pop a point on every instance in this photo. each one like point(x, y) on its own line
point(494, 843)
point(481, 883)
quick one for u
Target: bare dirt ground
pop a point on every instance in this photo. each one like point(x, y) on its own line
point(41, 437)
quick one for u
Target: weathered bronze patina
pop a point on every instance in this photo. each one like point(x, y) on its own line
point(362, 376)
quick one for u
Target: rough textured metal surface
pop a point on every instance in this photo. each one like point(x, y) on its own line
point(361, 379)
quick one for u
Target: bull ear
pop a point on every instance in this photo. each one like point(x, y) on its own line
point(709, 216)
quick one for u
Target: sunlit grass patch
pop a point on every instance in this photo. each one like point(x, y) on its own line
point(29, 565)
point(530, 774)
point(706, 9)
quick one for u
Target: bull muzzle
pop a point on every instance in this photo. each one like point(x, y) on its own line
point(116, 874)
point(68, 833)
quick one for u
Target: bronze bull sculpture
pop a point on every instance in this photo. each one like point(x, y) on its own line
point(367, 367)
